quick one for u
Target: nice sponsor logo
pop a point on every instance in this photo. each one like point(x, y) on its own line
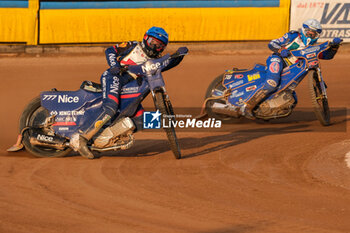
point(61, 98)
point(155, 120)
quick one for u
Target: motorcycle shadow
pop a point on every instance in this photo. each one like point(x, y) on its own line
point(308, 115)
point(235, 138)
point(153, 147)
point(141, 148)
point(233, 134)
point(298, 122)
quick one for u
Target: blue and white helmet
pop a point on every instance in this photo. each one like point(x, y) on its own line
point(155, 41)
point(310, 32)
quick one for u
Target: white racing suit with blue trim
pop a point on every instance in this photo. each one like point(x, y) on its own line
point(275, 64)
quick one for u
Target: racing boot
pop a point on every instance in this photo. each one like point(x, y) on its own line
point(247, 109)
point(79, 141)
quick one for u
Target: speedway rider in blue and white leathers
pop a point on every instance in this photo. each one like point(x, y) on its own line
point(307, 35)
point(119, 57)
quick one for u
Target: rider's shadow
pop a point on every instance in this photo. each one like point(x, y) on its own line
point(151, 147)
point(300, 121)
point(141, 148)
point(307, 115)
point(235, 138)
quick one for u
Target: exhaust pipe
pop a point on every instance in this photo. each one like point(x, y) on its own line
point(36, 142)
point(51, 141)
point(225, 109)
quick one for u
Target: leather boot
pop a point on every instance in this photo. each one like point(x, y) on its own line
point(247, 108)
point(78, 142)
point(83, 148)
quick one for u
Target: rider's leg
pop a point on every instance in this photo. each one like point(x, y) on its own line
point(120, 127)
point(138, 119)
point(79, 140)
point(274, 66)
point(111, 91)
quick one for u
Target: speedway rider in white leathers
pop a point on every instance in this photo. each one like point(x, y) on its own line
point(307, 35)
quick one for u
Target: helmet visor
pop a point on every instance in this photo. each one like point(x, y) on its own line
point(311, 33)
point(155, 44)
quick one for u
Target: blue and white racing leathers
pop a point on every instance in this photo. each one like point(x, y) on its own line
point(275, 64)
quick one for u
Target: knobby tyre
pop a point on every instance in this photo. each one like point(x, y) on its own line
point(318, 100)
point(34, 115)
point(165, 108)
point(216, 85)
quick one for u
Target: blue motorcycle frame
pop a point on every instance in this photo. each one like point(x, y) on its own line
point(48, 122)
point(230, 90)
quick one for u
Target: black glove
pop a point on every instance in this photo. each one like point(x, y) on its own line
point(180, 52)
point(118, 70)
point(336, 42)
point(285, 53)
point(139, 81)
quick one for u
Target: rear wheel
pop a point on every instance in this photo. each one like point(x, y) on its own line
point(166, 109)
point(34, 115)
point(319, 99)
point(216, 89)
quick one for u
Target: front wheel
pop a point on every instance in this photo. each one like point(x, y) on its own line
point(166, 109)
point(34, 116)
point(319, 99)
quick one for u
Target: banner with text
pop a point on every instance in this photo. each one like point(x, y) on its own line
point(332, 14)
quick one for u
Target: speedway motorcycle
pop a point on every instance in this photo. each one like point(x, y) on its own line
point(48, 121)
point(228, 91)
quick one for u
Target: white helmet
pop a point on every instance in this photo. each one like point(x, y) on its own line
point(311, 31)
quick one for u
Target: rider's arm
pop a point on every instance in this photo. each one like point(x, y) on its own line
point(277, 44)
point(328, 54)
point(176, 58)
point(173, 62)
point(115, 53)
point(111, 56)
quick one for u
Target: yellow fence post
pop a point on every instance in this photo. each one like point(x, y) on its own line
point(33, 7)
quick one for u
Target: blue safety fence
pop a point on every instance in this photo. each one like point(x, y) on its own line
point(14, 4)
point(156, 4)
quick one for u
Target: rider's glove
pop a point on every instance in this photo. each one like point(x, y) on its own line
point(124, 69)
point(139, 81)
point(115, 70)
point(118, 70)
point(180, 52)
point(336, 42)
point(285, 53)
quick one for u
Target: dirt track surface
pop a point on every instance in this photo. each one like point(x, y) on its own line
point(284, 177)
